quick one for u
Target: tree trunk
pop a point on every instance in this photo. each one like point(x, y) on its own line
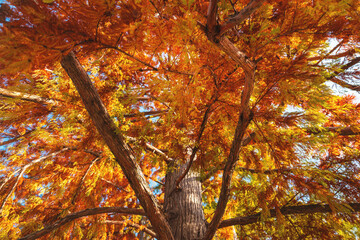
point(183, 206)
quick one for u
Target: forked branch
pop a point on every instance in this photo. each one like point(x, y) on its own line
point(241, 16)
point(245, 115)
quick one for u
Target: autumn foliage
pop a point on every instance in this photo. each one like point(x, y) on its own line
point(100, 100)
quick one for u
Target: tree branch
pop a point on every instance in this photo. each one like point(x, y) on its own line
point(152, 149)
point(115, 141)
point(342, 83)
point(212, 28)
point(245, 115)
point(243, 122)
point(22, 171)
point(114, 185)
point(345, 84)
point(134, 225)
point(15, 138)
point(83, 179)
point(347, 53)
point(84, 213)
point(343, 131)
point(27, 97)
point(156, 112)
point(47, 101)
point(302, 209)
point(241, 16)
point(197, 143)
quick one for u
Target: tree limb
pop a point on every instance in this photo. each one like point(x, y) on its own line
point(343, 131)
point(134, 225)
point(212, 28)
point(245, 115)
point(347, 53)
point(243, 122)
point(114, 185)
point(152, 149)
point(46, 101)
point(197, 143)
point(302, 209)
point(22, 171)
point(84, 213)
point(241, 16)
point(15, 138)
point(83, 179)
point(344, 84)
point(333, 77)
point(116, 142)
point(155, 112)
point(27, 97)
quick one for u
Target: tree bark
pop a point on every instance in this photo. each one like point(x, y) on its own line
point(183, 206)
point(115, 141)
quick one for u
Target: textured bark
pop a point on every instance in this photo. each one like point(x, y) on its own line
point(183, 206)
point(106, 127)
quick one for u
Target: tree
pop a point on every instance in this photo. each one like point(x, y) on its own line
point(179, 119)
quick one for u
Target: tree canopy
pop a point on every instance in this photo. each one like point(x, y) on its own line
point(101, 100)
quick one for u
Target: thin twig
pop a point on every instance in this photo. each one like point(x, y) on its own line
point(83, 179)
point(23, 169)
point(16, 138)
point(87, 212)
point(197, 143)
point(134, 225)
point(113, 184)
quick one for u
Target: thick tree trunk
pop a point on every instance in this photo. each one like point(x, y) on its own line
point(183, 206)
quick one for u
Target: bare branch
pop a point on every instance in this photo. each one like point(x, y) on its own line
point(156, 112)
point(12, 188)
point(241, 16)
point(84, 213)
point(344, 84)
point(23, 169)
point(302, 209)
point(116, 142)
point(106, 46)
point(83, 179)
point(134, 225)
point(197, 143)
point(152, 149)
point(15, 138)
point(347, 53)
point(113, 184)
point(349, 64)
point(343, 131)
point(27, 97)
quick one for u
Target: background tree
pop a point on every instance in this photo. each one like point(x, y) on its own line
point(179, 119)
